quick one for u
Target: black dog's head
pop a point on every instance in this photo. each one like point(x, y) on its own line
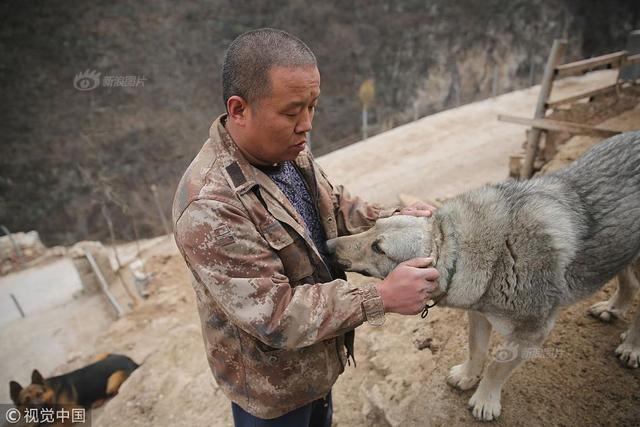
point(36, 393)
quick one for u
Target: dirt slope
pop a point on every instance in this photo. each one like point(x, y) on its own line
point(400, 377)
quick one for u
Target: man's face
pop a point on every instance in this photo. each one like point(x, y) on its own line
point(277, 125)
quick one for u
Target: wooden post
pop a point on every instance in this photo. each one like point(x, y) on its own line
point(105, 213)
point(532, 73)
point(494, 82)
point(112, 234)
point(15, 301)
point(557, 51)
point(163, 218)
point(103, 283)
point(366, 93)
point(630, 71)
point(364, 123)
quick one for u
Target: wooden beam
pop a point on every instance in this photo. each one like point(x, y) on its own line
point(589, 94)
point(531, 149)
point(548, 124)
point(579, 67)
point(632, 59)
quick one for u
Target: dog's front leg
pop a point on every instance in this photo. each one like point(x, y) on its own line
point(467, 374)
point(485, 402)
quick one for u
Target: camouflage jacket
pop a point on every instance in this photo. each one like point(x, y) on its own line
point(274, 316)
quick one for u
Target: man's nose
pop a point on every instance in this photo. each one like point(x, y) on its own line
point(304, 125)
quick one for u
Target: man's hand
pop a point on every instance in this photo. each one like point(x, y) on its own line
point(409, 286)
point(417, 209)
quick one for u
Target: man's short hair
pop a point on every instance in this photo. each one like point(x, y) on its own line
point(251, 56)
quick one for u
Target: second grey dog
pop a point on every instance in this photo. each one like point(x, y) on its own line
point(514, 253)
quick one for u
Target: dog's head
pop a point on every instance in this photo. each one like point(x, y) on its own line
point(377, 251)
point(36, 393)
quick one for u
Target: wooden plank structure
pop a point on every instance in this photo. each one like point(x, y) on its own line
point(578, 97)
point(611, 60)
point(554, 70)
point(633, 59)
point(557, 51)
point(548, 124)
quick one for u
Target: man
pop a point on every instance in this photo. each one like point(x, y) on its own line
point(252, 214)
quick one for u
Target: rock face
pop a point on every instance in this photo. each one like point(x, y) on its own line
point(67, 153)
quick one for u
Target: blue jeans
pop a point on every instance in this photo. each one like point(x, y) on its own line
point(315, 414)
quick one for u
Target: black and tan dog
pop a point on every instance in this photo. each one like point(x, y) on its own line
point(85, 387)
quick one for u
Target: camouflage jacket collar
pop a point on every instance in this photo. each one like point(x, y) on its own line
point(242, 176)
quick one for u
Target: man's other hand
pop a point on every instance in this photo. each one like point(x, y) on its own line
point(417, 209)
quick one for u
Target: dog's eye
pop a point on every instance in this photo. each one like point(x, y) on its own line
point(376, 247)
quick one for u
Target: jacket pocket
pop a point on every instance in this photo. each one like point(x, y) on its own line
point(292, 251)
point(271, 355)
point(276, 235)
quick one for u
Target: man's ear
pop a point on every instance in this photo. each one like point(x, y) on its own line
point(237, 110)
point(36, 377)
point(15, 389)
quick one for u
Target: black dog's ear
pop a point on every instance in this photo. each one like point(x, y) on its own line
point(36, 378)
point(14, 390)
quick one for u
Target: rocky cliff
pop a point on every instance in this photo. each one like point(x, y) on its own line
point(71, 160)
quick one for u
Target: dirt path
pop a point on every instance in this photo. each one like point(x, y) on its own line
point(446, 153)
point(575, 380)
point(400, 377)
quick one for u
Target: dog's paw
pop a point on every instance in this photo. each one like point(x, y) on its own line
point(629, 351)
point(461, 377)
point(604, 311)
point(485, 406)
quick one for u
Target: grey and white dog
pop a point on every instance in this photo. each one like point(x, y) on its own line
point(513, 254)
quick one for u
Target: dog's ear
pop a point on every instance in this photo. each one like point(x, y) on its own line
point(36, 377)
point(15, 389)
point(377, 245)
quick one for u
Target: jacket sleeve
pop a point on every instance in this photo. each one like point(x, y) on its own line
point(245, 276)
point(353, 215)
